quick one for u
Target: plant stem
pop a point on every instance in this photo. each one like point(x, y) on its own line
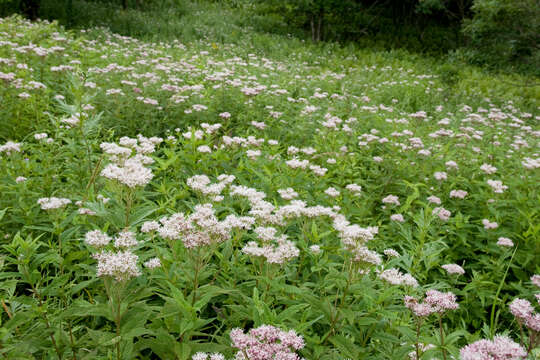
point(115, 303)
point(118, 320)
point(338, 306)
point(268, 280)
point(532, 341)
point(442, 337)
point(88, 151)
point(129, 203)
point(47, 324)
point(72, 343)
point(196, 278)
point(418, 339)
point(492, 317)
point(522, 335)
point(92, 178)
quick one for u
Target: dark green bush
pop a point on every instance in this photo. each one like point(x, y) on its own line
point(504, 32)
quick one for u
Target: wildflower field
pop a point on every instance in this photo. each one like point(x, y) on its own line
point(211, 201)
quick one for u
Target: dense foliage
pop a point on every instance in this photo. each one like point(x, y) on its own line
point(267, 199)
point(495, 33)
point(507, 31)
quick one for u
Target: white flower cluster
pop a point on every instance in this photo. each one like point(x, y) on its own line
point(488, 169)
point(274, 254)
point(391, 199)
point(121, 264)
point(442, 213)
point(53, 203)
point(149, 226)
point(244, 142)
point(434, 200)
point(395, 277)
point(497, 186)
point(460, 194)
point(203, 184)
point(267, 213)
point(40, 136)
point(153, 263)
point(276, 249)
point(10, 147)
point(208, 356)
point(354, 239)
point(132, 173)
point(530, 163)
point(125, 239)
point(423, 348)
point(332, 192)
point(391, 253)
point(210, 128)
point(266, 234)
point(97, 238)
point(287, 194)
point(201, 227)
point(74, 119)
point(453, 269)
point(502, 241)
point(86, 211)
point(296, 163)
point(440, 175)
point(354, 188)
point(488, 225)
point(126, 168)
point(315, 249)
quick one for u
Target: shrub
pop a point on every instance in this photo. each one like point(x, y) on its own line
point(505, 32)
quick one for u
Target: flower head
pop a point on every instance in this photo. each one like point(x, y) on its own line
point(121, 265)
point(500, 348)
point(97, 238)
point(53, 203)
point(266, 343)
point(502, 241)
point(152, 263)
point(521, 309)
point(453, 269)
point(132, 173)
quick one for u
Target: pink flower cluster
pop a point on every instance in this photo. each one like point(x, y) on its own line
point(120, 264)
point(453, 269)
point(130, 171)
point(391, 199)
point(200, 228)
point(488, 225)
point(500, 348)
point(460, 194)
point(435, 302)
point(442, 213)
point(276, 251)
point(266, 343)
point(524, 313)
point(395, 277)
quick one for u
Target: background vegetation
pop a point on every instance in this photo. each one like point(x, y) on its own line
point(498, 34)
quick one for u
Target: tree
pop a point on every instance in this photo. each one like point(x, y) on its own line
point(30, 8)
point(503, 31)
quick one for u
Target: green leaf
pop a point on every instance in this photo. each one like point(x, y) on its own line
point(347, 347)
